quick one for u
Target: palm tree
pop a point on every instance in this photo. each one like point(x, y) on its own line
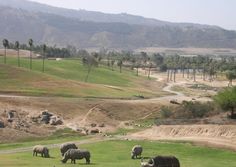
point(5, 44)
point(17, 46)
point(176, 64)
point(230, 75)
point(44, 50)
point(120, 63)
point(149, 69)
point(144, 58)
point(112, 64)
point(169, 65)
point(90, 61)
point(31, 44)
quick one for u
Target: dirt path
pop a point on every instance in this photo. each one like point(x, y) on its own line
point(83, 121)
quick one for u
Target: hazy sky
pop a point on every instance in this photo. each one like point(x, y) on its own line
point(213, 12)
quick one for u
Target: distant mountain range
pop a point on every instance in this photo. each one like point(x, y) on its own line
point(21, 20)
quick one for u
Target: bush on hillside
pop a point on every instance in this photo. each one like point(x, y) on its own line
point(192, 109)
point(165, 112)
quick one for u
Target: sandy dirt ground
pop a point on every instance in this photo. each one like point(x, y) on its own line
point(13, 53)
point(220, 136)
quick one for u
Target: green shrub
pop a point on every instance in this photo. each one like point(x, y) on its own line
point(197, 109)
point(165, 112)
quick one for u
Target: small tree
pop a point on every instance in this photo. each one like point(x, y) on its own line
point(149, 69)
point(31, 45)
point(112, 64)
point(6, 45)
point(120, 63)
point(137, 65)
point(89, 61)
point(17, 46)
point(44, 51)
point(230, 75)
point(227, 100)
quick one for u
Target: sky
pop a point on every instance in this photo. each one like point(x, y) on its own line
point(213, 12)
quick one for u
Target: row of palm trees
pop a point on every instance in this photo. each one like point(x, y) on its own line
point(206, 66)
point(17, 47)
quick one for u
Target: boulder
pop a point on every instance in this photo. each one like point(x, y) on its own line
point(2, 124)
point(174, 101)
point(11, 114)
point(83, 131)
point(101, 125)
point(47, 113)
point(94, 131)
point(45, 119)
point(93, 125)
point(35, 119)
point(54, 120)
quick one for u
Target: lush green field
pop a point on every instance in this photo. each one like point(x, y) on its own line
point(74, 70)
point(117, 154)
point(66, 78)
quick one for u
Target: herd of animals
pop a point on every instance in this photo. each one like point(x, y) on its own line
point(70, 151)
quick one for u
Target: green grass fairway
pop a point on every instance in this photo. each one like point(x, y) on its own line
point(74, 70)
point(66, 78)
point(117, 154)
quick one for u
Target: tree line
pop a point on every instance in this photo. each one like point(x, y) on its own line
point(207, 66)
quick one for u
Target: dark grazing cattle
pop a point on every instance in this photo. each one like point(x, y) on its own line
point(41, 150)
point(136, 151)
point(162, 161)
point(74, 154)
point(66, 146)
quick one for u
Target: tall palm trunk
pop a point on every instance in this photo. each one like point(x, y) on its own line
point(188, 72)
point(174, 74)
point(89, 70)
point(137, 71)
point(168, 75)
point(43, 61)
point(44, 55)
point(5, 55)
point(171, 74)
point(31, 45)
point(18, 57)
point(149, 71)
point(194, 74)
point(204, 73)
point(30, 58)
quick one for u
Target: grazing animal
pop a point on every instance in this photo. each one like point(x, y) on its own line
point(136, 151)
point(41, 150)
point(74, 154)
point(162, 161)
point(66, 146)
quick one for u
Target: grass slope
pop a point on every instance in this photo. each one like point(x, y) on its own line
point(65, 78)
point(74, 70)
point(117, 154)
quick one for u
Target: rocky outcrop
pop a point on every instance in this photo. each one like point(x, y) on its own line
point(48, 118)
point(45, 117)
